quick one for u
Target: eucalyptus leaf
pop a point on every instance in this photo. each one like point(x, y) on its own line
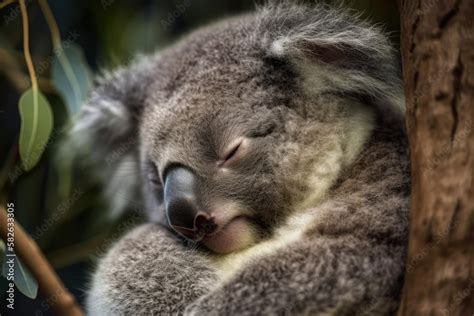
point(36, 125)
point(71, 76)
point(22, 277)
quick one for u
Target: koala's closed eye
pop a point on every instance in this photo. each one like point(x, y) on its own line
point(240, 147)
point(232, 154)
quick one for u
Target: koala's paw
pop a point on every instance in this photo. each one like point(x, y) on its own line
point(149, 271)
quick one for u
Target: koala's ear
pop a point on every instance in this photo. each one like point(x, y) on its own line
point(112, 112)
point(105, 133)
point(337, 53)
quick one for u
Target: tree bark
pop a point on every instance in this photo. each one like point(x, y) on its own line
point(437, 44)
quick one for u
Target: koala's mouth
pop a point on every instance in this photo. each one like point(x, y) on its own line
point(222, 235)
point(235, 235)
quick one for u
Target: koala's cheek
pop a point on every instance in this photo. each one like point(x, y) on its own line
point(236, 235)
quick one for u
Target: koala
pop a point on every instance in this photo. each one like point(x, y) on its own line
point(270, 154)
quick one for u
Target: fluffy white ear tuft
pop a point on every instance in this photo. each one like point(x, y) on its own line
point(335, 52)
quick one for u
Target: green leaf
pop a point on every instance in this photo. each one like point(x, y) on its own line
point(71, 76)
point(24, 281)
point(36, 125)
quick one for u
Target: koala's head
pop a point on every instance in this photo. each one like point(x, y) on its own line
point(245, 122)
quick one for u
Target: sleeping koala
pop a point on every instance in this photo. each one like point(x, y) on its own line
point(271, 155)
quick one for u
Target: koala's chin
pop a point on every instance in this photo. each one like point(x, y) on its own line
point(234, 236)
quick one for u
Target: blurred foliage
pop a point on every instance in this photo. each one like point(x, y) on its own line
point(24, 281)
point(71, 76)
point(58, 204)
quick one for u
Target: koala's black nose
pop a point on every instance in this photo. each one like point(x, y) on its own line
point(181, 197)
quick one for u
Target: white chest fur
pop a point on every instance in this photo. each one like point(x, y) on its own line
point(320, 178)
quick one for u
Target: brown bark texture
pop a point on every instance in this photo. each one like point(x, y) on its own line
point(437, 45)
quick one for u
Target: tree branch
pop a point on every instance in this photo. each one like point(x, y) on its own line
point(51, 287)
point(5, 3)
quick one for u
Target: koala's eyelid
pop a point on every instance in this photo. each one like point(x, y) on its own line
point(232, 153)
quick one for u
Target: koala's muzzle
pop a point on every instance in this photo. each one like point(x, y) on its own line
point(183, 209)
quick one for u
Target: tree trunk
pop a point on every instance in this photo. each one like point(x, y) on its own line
point(437, 43)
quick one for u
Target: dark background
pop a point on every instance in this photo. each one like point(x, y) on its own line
point(109, 33)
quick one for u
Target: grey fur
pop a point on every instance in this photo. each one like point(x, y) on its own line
point(318, 94)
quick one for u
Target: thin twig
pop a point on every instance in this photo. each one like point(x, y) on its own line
point(26, 45)
point(5, 3)
point(31, 70)
point(51, 287)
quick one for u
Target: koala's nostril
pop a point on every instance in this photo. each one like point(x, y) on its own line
point(204, 225)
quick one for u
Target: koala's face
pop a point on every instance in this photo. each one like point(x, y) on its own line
point(244, 123)
point(212, 159)
point(231, 145)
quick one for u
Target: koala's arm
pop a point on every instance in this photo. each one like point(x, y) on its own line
point(349, 262)
point(326, 276)
point(149, 272)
